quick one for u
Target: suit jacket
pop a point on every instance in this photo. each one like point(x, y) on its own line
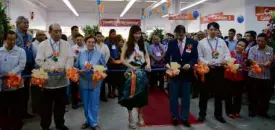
point(191, 58)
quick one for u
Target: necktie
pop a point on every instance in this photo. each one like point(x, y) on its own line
point(181, 48)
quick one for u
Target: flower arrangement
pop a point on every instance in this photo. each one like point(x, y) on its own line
point(99, 74)
point(173, 69)
point(14, 81)
point(201, 69)
point(88, 65)
point(54, 56)
point(39, 77)
point(72, 74)
point(231, 66)
point(76, 51)
point(255, 67)
point(4, 21)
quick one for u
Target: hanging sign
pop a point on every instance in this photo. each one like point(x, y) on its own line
point(186, 16)
point(217, 17)
point(263, 13)
point(119, 22)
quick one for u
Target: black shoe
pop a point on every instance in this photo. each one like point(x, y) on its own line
point(85, 126)
point(220, 119)
point(28, 116)
point(74, 106)
point(63, 127)
point(186, 123)
point(201, 119)
point(45, 128)
point(251, 114)
point(265, 115)
point(175, 122)
point(104, 99)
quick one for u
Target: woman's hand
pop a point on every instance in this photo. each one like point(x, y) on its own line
point(148, 68)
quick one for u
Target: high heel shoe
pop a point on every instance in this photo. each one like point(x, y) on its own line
point(140, 120)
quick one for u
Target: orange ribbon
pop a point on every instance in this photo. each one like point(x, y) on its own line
point(72, 74)
point(37, 81)
point(201, 69)
point(97, 76)
point(133, 84)
point(14, 81)
point(256, 68)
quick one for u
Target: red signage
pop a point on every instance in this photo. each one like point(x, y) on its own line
point(119, 22)
point(187, 16)
point(217, 17)
point(263, 13)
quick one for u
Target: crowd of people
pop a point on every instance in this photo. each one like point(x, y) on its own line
point(21, 53)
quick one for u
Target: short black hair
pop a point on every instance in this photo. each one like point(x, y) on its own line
point(240, 34)
point(170, 35)
point(78, 35)
point(112, 31)
point(10, 32)
point(252, 33)
point(263, 35)
point(180, 29)
point(73, 27)
point(213, 24)
point(98, 33)
point(243, 40)
point(232, 30)
point(64, 37)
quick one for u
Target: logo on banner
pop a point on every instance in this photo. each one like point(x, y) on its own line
point(119, 22)
point(216, 17)
point(263, 13)
point(187, 16)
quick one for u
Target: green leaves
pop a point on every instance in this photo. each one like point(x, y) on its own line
point(88, 30)
point(4, 22)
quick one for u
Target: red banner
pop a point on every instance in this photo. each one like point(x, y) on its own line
point(263, 13)
point(187, 16)
point(119, 22)
point(217, 17)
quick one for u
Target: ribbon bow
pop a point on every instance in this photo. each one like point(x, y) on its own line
point(173, 69)
point(99, 74)
point(72, 74)
point(201, 69)
point(255, 67)
point(39, 77)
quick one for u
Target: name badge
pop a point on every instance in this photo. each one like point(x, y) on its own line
point(267, 53)
point(113, 46)
point(158, 54)
point(188, 51)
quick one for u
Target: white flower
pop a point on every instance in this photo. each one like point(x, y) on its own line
point(40, 73)
point(99, 68)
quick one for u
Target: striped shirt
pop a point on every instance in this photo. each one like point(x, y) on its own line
point(261, 56)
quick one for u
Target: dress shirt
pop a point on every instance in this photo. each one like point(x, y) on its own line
point(35, 45)
point(71, 41)
point(205, 51)
point(79, 48)
point(261, 56)
point(183, 44)
point(65, 61)
point(231, 44)
point(12, 61)
point(103, 48)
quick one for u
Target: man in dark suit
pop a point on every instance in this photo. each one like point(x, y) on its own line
point(183, 51)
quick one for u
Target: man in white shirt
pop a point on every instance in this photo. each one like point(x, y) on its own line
point(54, 55)
point(213, 52)
point(40, 37)
point(103, 48)
point(74, 32)
point(78, 47)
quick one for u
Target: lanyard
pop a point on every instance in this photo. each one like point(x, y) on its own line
point(53, 48)
point(212, 46)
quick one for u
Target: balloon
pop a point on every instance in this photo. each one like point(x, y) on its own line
point(196, 14)
point(240, 19)
point(98, 2)
point(149, 13)
point(168, 4)
point(163, 8)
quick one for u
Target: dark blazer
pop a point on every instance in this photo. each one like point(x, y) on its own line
point(173, 55)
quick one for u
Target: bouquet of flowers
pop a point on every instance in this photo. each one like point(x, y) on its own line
point(39, 77)
point(98, 74)
point(201, 69)
point(255, 67)
point(173, 69)
point(14, 81)
point(72, 74)
point(231, 66)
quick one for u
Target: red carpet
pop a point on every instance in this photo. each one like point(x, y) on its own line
point(157, 113)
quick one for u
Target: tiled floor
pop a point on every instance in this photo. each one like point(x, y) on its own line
point(114, 117)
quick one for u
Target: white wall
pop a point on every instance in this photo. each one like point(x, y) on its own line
point(228, 7)
point(251, 20)
point(24, 8)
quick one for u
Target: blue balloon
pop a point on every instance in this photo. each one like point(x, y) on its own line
point(240, 19)
point(98, 2)
point(150, 13)
point(163, 8)
point(196, 14)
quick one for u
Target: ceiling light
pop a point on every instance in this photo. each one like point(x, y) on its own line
point(192, 5)
point(70, 6)
point(156, 4)
point(165, 15)
point(128, 6)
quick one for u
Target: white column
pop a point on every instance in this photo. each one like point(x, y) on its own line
point(143, 25)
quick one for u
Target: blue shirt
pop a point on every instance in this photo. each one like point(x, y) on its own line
point(113, 47)
point(232, 44)
point(12, 61)
point(95, 58)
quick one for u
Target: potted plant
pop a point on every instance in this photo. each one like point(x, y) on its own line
point(4, 22)
point(88, 30)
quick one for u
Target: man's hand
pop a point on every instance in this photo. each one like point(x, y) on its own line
point(267, 64)
point(223, 63)
point(58, 70)
point(186, 67)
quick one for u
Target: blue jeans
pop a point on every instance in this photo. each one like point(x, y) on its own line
point(179, 86)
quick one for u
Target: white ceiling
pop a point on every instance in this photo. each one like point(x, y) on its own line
point(111, 6)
